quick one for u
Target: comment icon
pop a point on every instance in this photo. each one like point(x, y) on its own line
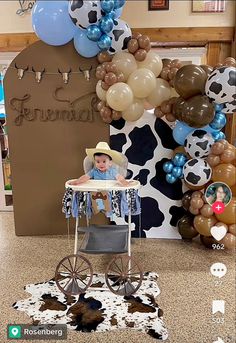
point(218, 270)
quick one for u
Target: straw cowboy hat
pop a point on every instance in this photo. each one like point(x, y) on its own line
point(103, 148)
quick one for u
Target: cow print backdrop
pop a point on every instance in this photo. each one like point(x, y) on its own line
point(96, 310)
point(148, 143)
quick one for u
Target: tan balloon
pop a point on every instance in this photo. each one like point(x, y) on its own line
point(193, 210)
point(229, 241)
point(134, 111)
point(203, 225)
point(206, 211)
point(125, 63)
point(101, 93)
point(142, 82)
point(119, 96)
point(229, 214)
point(161, 93)
point(152, 62)
point(232, 229)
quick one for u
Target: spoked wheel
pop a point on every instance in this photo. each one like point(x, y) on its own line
point(123, 275)
point(74, 274)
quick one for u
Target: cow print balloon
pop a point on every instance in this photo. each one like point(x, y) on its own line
point(220, 85)
point(120, 35)
point(85, 13)
point(230, 107)
point(198, 143)
point(197, 172)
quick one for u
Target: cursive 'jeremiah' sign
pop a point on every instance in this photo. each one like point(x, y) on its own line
point(73, 111)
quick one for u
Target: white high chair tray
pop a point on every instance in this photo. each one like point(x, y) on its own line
point(102, 185)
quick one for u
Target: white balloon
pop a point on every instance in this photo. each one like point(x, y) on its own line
point(120, 35)
point(142, 82)
point(198, 143)
point(125, 63)
point(101, 93)
point(197, 172)
point(119, 96)
point(85, 13)
point(152, 62)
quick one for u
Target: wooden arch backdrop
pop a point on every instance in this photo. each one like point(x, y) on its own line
point(50, 123)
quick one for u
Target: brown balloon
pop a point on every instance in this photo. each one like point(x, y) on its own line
point(178, 106)
point(164, 73)
point(116, 115)
point(172, 73)
point(158, 113)
point(105, 86)
point(203, 225)
point(194, 211)
point(143, 41)
point(197, 194)
point(196, 203)
point(208, 241)
point(213, 160)
point(136, 35)
point(197, 111)
point(133, 45)
point(105, 111)
point(206, 211)
point(233, 190)
point(166, 62)
point(185, 227)
point(104, 56)
point(186, 200)
point(176, 63)
point(222, 224)
point(232, 229)
point(225, 143)
point(217, 148)
point(111, 67)
point(190, 80)
point(100, 73)
point(166, 107)
point(208, 69)
point(224, 172)
point(120, 77)
point(100, 105)
point(170, 117)
point(110, 78)
point(229, 241)
point(140, 55)
point(229, 215)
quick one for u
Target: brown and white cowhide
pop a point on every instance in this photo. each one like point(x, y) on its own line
point(96, 310)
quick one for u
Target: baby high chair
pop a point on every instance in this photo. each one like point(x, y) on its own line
point(123, 274)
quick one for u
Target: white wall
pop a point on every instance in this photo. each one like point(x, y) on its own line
point(135, 13)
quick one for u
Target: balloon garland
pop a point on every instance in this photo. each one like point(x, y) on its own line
point(132, 77)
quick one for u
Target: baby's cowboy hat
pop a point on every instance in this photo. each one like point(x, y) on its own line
point(103, 148)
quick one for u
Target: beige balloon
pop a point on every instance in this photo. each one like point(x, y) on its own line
point(119, 96)
point(173, 93)
point(142, 82)
point(161, 93)
point(101, 93)
point(125, 63)
point(134, 111)
point(152, 62)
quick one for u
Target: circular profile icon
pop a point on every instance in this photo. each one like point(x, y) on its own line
point(218, 192)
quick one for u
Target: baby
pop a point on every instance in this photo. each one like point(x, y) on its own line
point(103, 169)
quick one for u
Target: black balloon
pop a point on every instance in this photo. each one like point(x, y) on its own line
point(186, 228)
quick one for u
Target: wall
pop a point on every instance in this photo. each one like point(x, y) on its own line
point(135, 13)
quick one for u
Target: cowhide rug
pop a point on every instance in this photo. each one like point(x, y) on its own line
point(96, 310)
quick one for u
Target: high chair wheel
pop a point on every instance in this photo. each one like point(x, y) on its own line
point(123, 275)
point(74, 274)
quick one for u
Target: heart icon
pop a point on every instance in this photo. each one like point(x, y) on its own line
point(218, 232)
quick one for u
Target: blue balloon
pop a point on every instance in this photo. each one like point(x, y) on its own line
point(106, 24)
point(180, 132)
point(218, 135)
point(219, 107)
point(170, 178)
point(177, 172)
point(52, 23)
point(116, 13)
point(93, 32)
point(84, 46)
point(119, 4)
point(104, 42)
point(107, 5)
point(219, 121)
point(168, 166)
point(179, 160)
